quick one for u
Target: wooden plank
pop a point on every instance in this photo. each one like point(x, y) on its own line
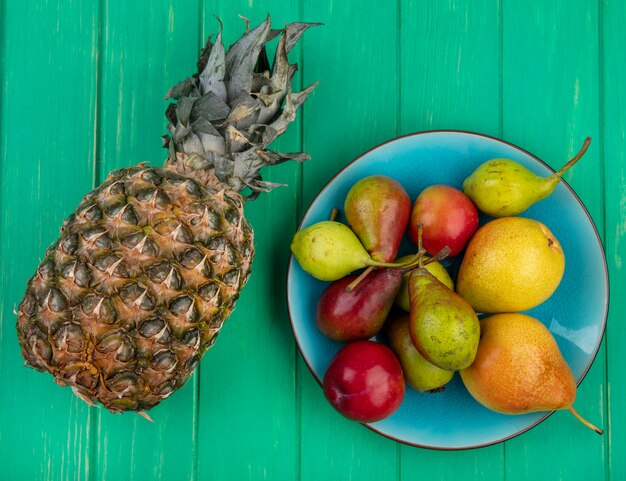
point(48, 95)
point(450, 68)
point(550, 96)
point(613, 133)
point(355, 107)
point(248, 416)
point(146, 48)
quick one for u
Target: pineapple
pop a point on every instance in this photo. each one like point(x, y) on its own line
point(150, 264)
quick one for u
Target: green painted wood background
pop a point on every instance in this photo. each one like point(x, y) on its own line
point(81, 92)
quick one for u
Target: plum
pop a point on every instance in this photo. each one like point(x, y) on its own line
point(364, 381)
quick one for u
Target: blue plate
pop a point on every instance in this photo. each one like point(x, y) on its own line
point(575, 314)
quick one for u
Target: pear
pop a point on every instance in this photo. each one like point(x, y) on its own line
point(377, 209)
point(519, 369)
point(503, 187)
point(443, 326)
point(349, 315)
point(435, 268)
point(329, 250)
point(418, 372)
point(511, 264)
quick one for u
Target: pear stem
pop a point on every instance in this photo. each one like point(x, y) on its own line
point(584, 421)
point(411, 261)
point(442, 254)
point(350, 287)
point(420, 230)
point(574, 159)
point(333, 214)
point(416, 261)
point(372, 264)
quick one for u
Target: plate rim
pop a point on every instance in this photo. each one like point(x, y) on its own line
point(586, 212)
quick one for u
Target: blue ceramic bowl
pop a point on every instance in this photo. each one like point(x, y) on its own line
point(575, 314)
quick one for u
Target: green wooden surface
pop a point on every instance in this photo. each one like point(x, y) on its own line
point(133, 39)
point(81, 93)
point(613, 155)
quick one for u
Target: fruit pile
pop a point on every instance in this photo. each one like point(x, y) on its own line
point(427, 326)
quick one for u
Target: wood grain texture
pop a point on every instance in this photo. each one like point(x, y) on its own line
point(145, 49)
point(550, 104)
point(613, 134)
point(48, 100)
point(248, 420)
point(450, 66)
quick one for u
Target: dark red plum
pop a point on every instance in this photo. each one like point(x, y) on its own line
point(364, 381)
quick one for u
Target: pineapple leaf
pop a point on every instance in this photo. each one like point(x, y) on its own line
point(202, 125)
point(262, 63)
point(170, 114)
point(224, 117)
point(260, 81)
point(209, 107)
point(212, 75)
point(236, 140)
point(180, 133)
point(293, 32)
point(273, 158)
point(258, 185)
point(292, 103)
point(181, 89)
point(247, 22)
point(193, 144)
point(241, 59)
point(243, 108)
point(268, 111)
point(224, 167)
point(204, 53)
point(282, 71)
point(246, 165)
point(269, 98)
point(211, 139)
point(183, 109)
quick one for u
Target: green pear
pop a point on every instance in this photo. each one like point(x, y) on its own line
point(329, 250)
point(435, 268)
point(418, 372)
point(444, 327)
point(502, 187)
point(519, 369)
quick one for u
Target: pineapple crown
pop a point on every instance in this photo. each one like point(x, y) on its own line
point(224, 117)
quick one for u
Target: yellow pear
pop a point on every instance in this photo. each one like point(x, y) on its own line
point(519, 369)
point(511, 264)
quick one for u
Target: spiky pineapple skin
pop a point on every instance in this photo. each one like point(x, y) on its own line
point(137, 287)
